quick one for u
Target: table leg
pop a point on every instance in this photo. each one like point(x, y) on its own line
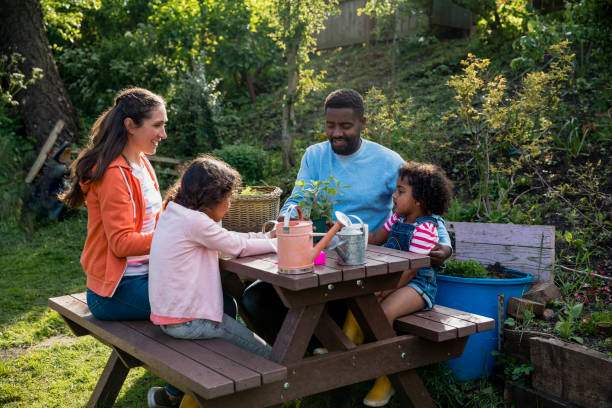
point(295, 333)
point(374, 324)
point(110, 383)
point(332, 336)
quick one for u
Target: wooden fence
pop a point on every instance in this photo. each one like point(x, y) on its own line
point(348, 28)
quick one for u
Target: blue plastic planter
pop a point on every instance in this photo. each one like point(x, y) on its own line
point(479, 296)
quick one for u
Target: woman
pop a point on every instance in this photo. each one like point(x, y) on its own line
point(118, 184)
point(115, 179)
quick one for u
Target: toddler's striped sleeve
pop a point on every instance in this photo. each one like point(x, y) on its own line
point(387, 226)
point(424, 238)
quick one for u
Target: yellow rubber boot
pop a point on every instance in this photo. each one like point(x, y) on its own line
point(351, 329)
point(380, 394)
point(189, 402)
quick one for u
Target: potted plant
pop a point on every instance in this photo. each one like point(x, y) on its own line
point(469, 286)
point(318, 198)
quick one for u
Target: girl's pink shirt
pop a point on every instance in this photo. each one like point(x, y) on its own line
point(184, 278)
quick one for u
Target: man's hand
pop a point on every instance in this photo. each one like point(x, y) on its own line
point(439, 254)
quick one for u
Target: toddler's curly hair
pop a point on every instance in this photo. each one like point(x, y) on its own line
point(204, 184)
point(429, 185)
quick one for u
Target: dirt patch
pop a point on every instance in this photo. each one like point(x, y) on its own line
point(14, 352)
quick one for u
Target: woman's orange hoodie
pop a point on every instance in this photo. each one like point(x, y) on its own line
point(115, 210)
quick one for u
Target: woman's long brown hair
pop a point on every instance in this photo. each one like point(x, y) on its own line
point(107, 140)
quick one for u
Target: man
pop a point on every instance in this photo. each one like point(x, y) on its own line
point(371, 171)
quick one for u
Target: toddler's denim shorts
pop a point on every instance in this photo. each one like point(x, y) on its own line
point(425, 284)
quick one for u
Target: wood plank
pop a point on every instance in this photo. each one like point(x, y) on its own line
point(428, 329)
point(394, 263)
point(338, 369)
point(572, 372)
point(482, 323)
point(331, 335)
point(504, 234)
point(327, 274)
point(295, 333)
point(416, 260)
point(349, 272)
point(243, 377)
point(158, 358)
point(255, 269)
point(534, 261)
point(410, 382)
point(110, 383)
point(341, 290)
point(44, 151)
point(371, 317)
point(128, 360)
point(464, 328)
point(269, 370)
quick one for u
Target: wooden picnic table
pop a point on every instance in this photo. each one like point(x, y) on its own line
point(383, 353)
point(219, 374)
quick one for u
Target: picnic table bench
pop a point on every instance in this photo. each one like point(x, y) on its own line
point(218, 374)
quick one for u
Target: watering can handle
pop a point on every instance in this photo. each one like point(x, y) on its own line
point(358, 219)
point(263, 228)
point(288, 216)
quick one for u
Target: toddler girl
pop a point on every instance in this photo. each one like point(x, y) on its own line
point(184, 279)
point(422, 191)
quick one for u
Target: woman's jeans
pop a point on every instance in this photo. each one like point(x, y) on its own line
point(129, 302)
point(228, 329)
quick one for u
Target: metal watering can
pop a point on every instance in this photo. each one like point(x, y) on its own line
point(353, 240)
point(296, 253)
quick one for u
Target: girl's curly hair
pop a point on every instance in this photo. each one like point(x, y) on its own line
point(204, 184)
point(429, 185)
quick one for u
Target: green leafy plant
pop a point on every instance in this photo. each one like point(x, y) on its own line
point(246, 159)
point(465, 269)
point(318, 197)
point(505, 132)
point(565, 327)
point(595, 323)
point(512, 369)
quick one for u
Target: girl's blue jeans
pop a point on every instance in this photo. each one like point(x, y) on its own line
point(228, 329)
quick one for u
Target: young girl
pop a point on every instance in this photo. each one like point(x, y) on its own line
point(115, 179)
point(422, 191)
point(185, 282)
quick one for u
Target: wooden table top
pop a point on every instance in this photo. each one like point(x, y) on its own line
point(379, 261)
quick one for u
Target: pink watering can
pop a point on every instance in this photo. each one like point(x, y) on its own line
point(296, 253)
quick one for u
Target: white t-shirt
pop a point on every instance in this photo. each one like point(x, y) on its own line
point(139, 265)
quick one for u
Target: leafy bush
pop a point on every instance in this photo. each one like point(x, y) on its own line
point(465, 269)
point(246, 159)
point(194, 116)
point(508, 132)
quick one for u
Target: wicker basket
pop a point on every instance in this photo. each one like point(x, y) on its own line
point(248, 212)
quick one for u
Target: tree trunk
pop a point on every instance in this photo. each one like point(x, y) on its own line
point(46, 100)
point(288, 114)
point(249, 81)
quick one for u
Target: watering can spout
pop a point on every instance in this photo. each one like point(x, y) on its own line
point(325, 240)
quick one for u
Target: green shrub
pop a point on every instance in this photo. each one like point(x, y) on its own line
point(246, 159)
point(193, 116)
point(465, 269)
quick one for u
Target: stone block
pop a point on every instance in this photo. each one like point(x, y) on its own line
point(543, 292)
point(516, 306)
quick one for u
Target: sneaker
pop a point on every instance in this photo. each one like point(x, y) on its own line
point(380, 394)
point(319, 351)
point(157, 397)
